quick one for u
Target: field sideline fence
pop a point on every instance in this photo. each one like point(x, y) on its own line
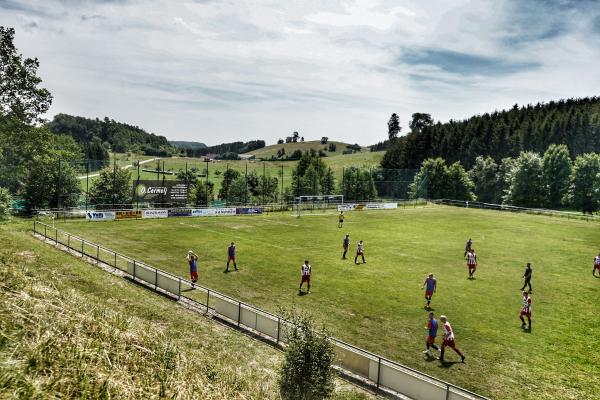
point(505, 207)
point(385, 374)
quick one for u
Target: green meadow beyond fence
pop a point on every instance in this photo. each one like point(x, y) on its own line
point(371, 368)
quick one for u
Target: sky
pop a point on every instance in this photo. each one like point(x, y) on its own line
point(218, 71)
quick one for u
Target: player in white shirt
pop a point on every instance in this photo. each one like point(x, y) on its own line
point(471, 262)
point(305, 272)
point(360, 251)
point(448, 339)
point(526, 310)
point(596, 265)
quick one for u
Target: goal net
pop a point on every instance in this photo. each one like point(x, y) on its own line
point(304, 204)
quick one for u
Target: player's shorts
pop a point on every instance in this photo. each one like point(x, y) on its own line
point(525, 313)
point(359, 253)
point(231, 258)
point(449, 343)
point(194, 275)
point(472, 266)
point(341, 220)
point(306, 278)
point(428, 294)
point(597, 267)
point(430, 339)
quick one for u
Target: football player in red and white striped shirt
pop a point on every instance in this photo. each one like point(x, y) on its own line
point(448, 339)
point(526, 310)
point(471, 262)
point(596, 265)
point(305, 271)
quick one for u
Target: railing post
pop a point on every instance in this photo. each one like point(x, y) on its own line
point(34, 222)
point(278, 328)
point(97, 254)
point(69, 241)
point(179, 291)
point(56, 236)
point(239, 312)
point(133, 269)
point(155, 278)
point(45, 232)
point(378, 371)
point(115, 260)
point(82, 253)
point(447, 391)
point(207, 298)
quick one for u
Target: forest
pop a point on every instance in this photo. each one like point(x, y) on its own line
point(501, 134)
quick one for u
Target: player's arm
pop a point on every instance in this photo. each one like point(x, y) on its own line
point(434, 286)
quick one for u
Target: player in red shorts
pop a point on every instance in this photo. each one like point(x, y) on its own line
point(448, 340)
point(526, 310)
point(596, 265)
point(305, 271)
point(432, 328)
point(471, 262)
point(360, 251)
point(231, 257)
point(192, 260)
point(429, 285)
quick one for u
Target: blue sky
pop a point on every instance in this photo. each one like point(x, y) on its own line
point(219, 71)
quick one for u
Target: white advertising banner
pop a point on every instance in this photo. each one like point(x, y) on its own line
point(100, 215)
point(225, 211)
point(203, 212)
point(155, 213)
point(208, 212)
point(381, 206)
point(346, 207)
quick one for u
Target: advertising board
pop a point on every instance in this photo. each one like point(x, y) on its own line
point(155, 213)
point(160, 191)
point(180, 212)
point(100, 215)
point(128, 215)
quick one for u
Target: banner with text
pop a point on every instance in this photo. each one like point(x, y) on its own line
point(381, 206)
point(128, 214)
point(159, 191)
point(100, 215)
point(248, 210)
point(155, 213)
point(208, 212)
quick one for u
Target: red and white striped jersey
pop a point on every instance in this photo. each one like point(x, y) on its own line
point(597, 260)
point(360, 247)
point(306, 269)
point(526, 304)
point(448, 334)
point(471, 258)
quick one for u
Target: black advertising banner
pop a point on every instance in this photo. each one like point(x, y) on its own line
point(160, 191)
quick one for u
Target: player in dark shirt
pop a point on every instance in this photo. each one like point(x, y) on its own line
point(527, 276)
point(231, 256)
point(345, 246)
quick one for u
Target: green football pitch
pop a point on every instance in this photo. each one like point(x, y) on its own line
point(380, 306)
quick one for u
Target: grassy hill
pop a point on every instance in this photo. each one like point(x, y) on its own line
point(268, 151)
point(70, 330)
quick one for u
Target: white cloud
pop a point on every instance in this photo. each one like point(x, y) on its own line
point(218, 71)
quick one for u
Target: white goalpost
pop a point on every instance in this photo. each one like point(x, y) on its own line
point(316, 203)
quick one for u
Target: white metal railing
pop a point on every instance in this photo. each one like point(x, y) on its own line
point(505, 207)
point(375, 369)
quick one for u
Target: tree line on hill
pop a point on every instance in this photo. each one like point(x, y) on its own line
point(224, 151)
point(573, 122)
point(552, 180)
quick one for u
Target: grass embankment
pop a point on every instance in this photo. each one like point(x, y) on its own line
point(379, 305)
point(70, 330)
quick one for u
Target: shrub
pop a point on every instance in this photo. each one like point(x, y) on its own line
point(5, 203)
point(306, 371)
